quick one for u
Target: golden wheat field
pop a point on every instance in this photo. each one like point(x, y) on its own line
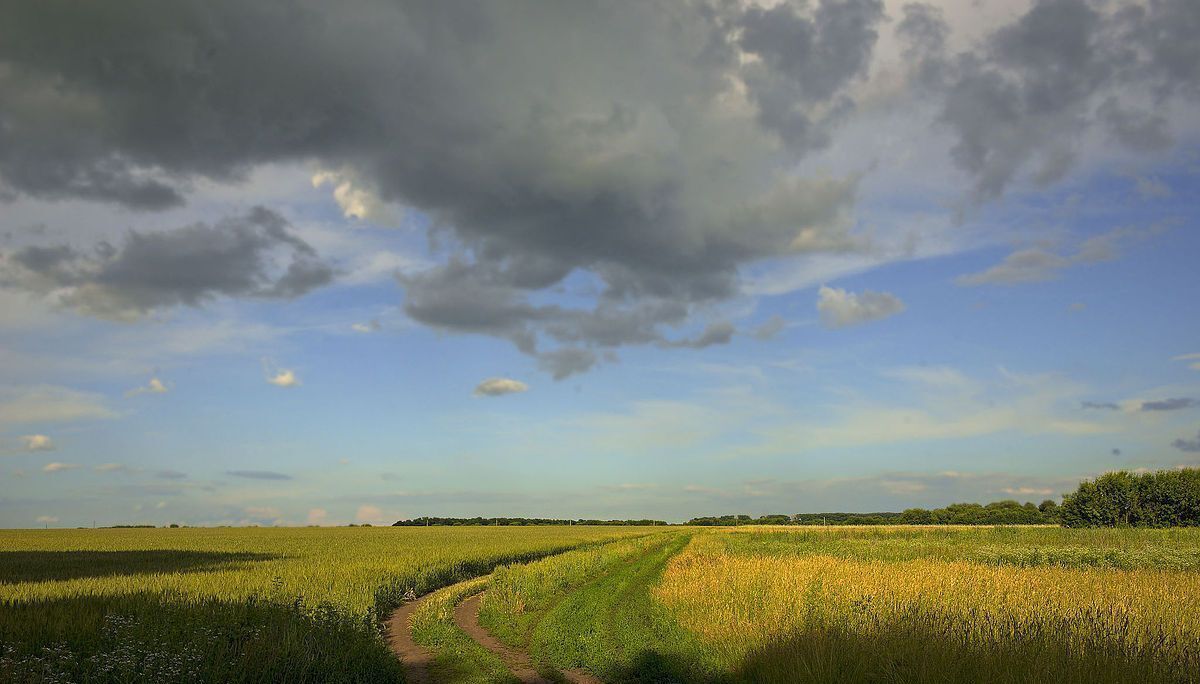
point(942, 604)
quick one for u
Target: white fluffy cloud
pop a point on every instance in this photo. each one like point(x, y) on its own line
point(840, 308)
point(494, 387)
point(57, 467)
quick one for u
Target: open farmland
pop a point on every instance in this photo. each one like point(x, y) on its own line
point(613, 604)
point(220, 605)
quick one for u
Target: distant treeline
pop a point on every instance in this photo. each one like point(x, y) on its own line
point(1006, 512)
point(514, 522)
point(1167, 498)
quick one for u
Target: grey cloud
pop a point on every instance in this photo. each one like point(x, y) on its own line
point(1033, 265)
point(1022, 99)
point(1037, 264)
point(805, 61)
point(535, 151)
point(839, 308)
point(770, 328)
point(1173, 404)
point(1106, 406)
point(1191, 446)
point(720, 332)
point(170, 475)
point(259, 474)
point(186, 266)
point(566, 361)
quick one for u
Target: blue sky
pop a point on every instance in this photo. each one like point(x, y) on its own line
point(580, 314)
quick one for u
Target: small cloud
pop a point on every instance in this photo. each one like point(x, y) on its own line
point(770, 328)
point(1194, 358)
point(317, 516)
point(1028, 491)
point(1116, 452)
point(1033, 265)
point(160, 505)
point(38, 443)
point(1106, 405)
point(1191, 446)
point(112, 468)
point(56, 467)
point(368, 327)
point(1173, 404)
point(355, 200)
point(258, 474)
point(170, 475)
point(1152, 188)
point(840, 308)
point(284, 378)
point(494, 387)
point(369, 514)
point(155, 386)
point(46, 519)
point(1076, 307)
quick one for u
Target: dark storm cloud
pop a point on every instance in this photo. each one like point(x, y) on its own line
point(536, 150)
point(258, 474)
point(186, 266)
point(654, 151)
point(806, 60)
point(1021, 102)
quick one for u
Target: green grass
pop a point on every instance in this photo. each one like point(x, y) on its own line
point(592, 609)
point(233, 604)
point(613, 628)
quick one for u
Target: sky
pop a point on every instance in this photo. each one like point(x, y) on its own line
point(287, 263)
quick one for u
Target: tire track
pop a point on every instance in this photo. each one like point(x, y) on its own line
point(466, 617)
point(415, 657)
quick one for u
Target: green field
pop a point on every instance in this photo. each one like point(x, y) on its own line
point(880, 604)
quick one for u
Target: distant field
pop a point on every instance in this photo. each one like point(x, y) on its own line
point(232, 604)
point(747, 604)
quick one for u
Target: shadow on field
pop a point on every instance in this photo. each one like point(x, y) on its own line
point(908, 653)
point(919, 654)
point(146, 637)
point(37, 566)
